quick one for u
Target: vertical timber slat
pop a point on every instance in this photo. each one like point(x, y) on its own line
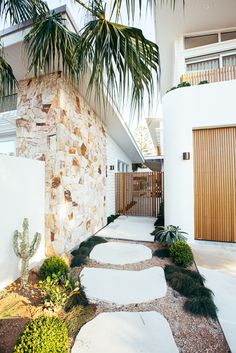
point(214, 184)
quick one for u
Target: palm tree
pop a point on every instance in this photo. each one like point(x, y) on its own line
point(114, 54)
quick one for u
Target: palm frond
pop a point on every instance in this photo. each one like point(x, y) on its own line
point(18, 11)
point(121, 57)
point(132, 6)
point(50, 46)
point(7, 79)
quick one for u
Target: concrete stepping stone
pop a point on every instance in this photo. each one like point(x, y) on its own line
point(120, 253)
point(129, 228)
point(126, 332)
point(123, 287)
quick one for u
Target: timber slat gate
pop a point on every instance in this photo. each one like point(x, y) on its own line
point(139, 194)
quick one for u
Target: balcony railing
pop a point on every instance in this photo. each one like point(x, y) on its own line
point(8, 103)
point(215, 75)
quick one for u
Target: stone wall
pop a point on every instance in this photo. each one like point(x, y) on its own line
point(55, 124)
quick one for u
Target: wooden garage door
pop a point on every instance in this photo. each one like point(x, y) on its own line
point(215, 184)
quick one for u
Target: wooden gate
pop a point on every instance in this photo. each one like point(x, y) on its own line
point(215, 184)
point(139, 194)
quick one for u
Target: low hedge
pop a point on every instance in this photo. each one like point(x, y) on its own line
point(54, 266)
point(43, 335)
point(181, 253)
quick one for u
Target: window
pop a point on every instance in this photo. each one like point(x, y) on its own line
point(122, 167)
point(198, 41)
point(7, 146)
point(228, 36)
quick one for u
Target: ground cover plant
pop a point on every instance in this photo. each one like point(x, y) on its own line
point(191, 285)
point(80, 255)
point(43, 335)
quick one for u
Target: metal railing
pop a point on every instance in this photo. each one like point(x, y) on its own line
point(8, 103)
point(215, 75)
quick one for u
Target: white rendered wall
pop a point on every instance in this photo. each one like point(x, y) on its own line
point(205, 106)
point(21, 195)
point(114, 154)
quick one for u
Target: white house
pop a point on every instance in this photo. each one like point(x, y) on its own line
point(198, 43)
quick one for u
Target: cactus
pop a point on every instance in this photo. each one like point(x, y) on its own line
point(24, 250)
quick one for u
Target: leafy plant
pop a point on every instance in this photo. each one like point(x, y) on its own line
point(53, 267)
point(202, 306)
point(55, 293)
point(43, 335)
point(162, 253)
point(24, 250)
point(77, 299)
point(184, 84)
point(168, 235)
point(181, 253)
point(180, 85)
point(203, 82)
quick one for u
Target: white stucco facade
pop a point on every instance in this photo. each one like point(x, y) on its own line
point(114, 155)
point(205, 106)
point(22, 196)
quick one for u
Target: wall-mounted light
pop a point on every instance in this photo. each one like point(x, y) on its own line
point(186, 156)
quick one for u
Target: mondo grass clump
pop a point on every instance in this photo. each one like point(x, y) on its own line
point(182, 283)
point(195, 275)
point(85, 248)
point(191, 285)
point(161, 253)
point(201, 306)
point(53, 267)
point(43, 335)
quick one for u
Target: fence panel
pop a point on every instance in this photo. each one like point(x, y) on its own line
point(139, 194)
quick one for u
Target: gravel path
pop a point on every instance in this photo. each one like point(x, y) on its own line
point(192, 334)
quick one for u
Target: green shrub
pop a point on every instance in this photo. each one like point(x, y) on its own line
point(53, 266)
point(202, 306)
point(78, 260)
point(181, 283)
point(203, 82)
point(168, 235)
point(195, 275)
point(43, 335)
point(162, 253)
point(181, 253)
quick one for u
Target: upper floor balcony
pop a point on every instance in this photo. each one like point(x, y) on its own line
point(8, 103)
point(209, 76)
